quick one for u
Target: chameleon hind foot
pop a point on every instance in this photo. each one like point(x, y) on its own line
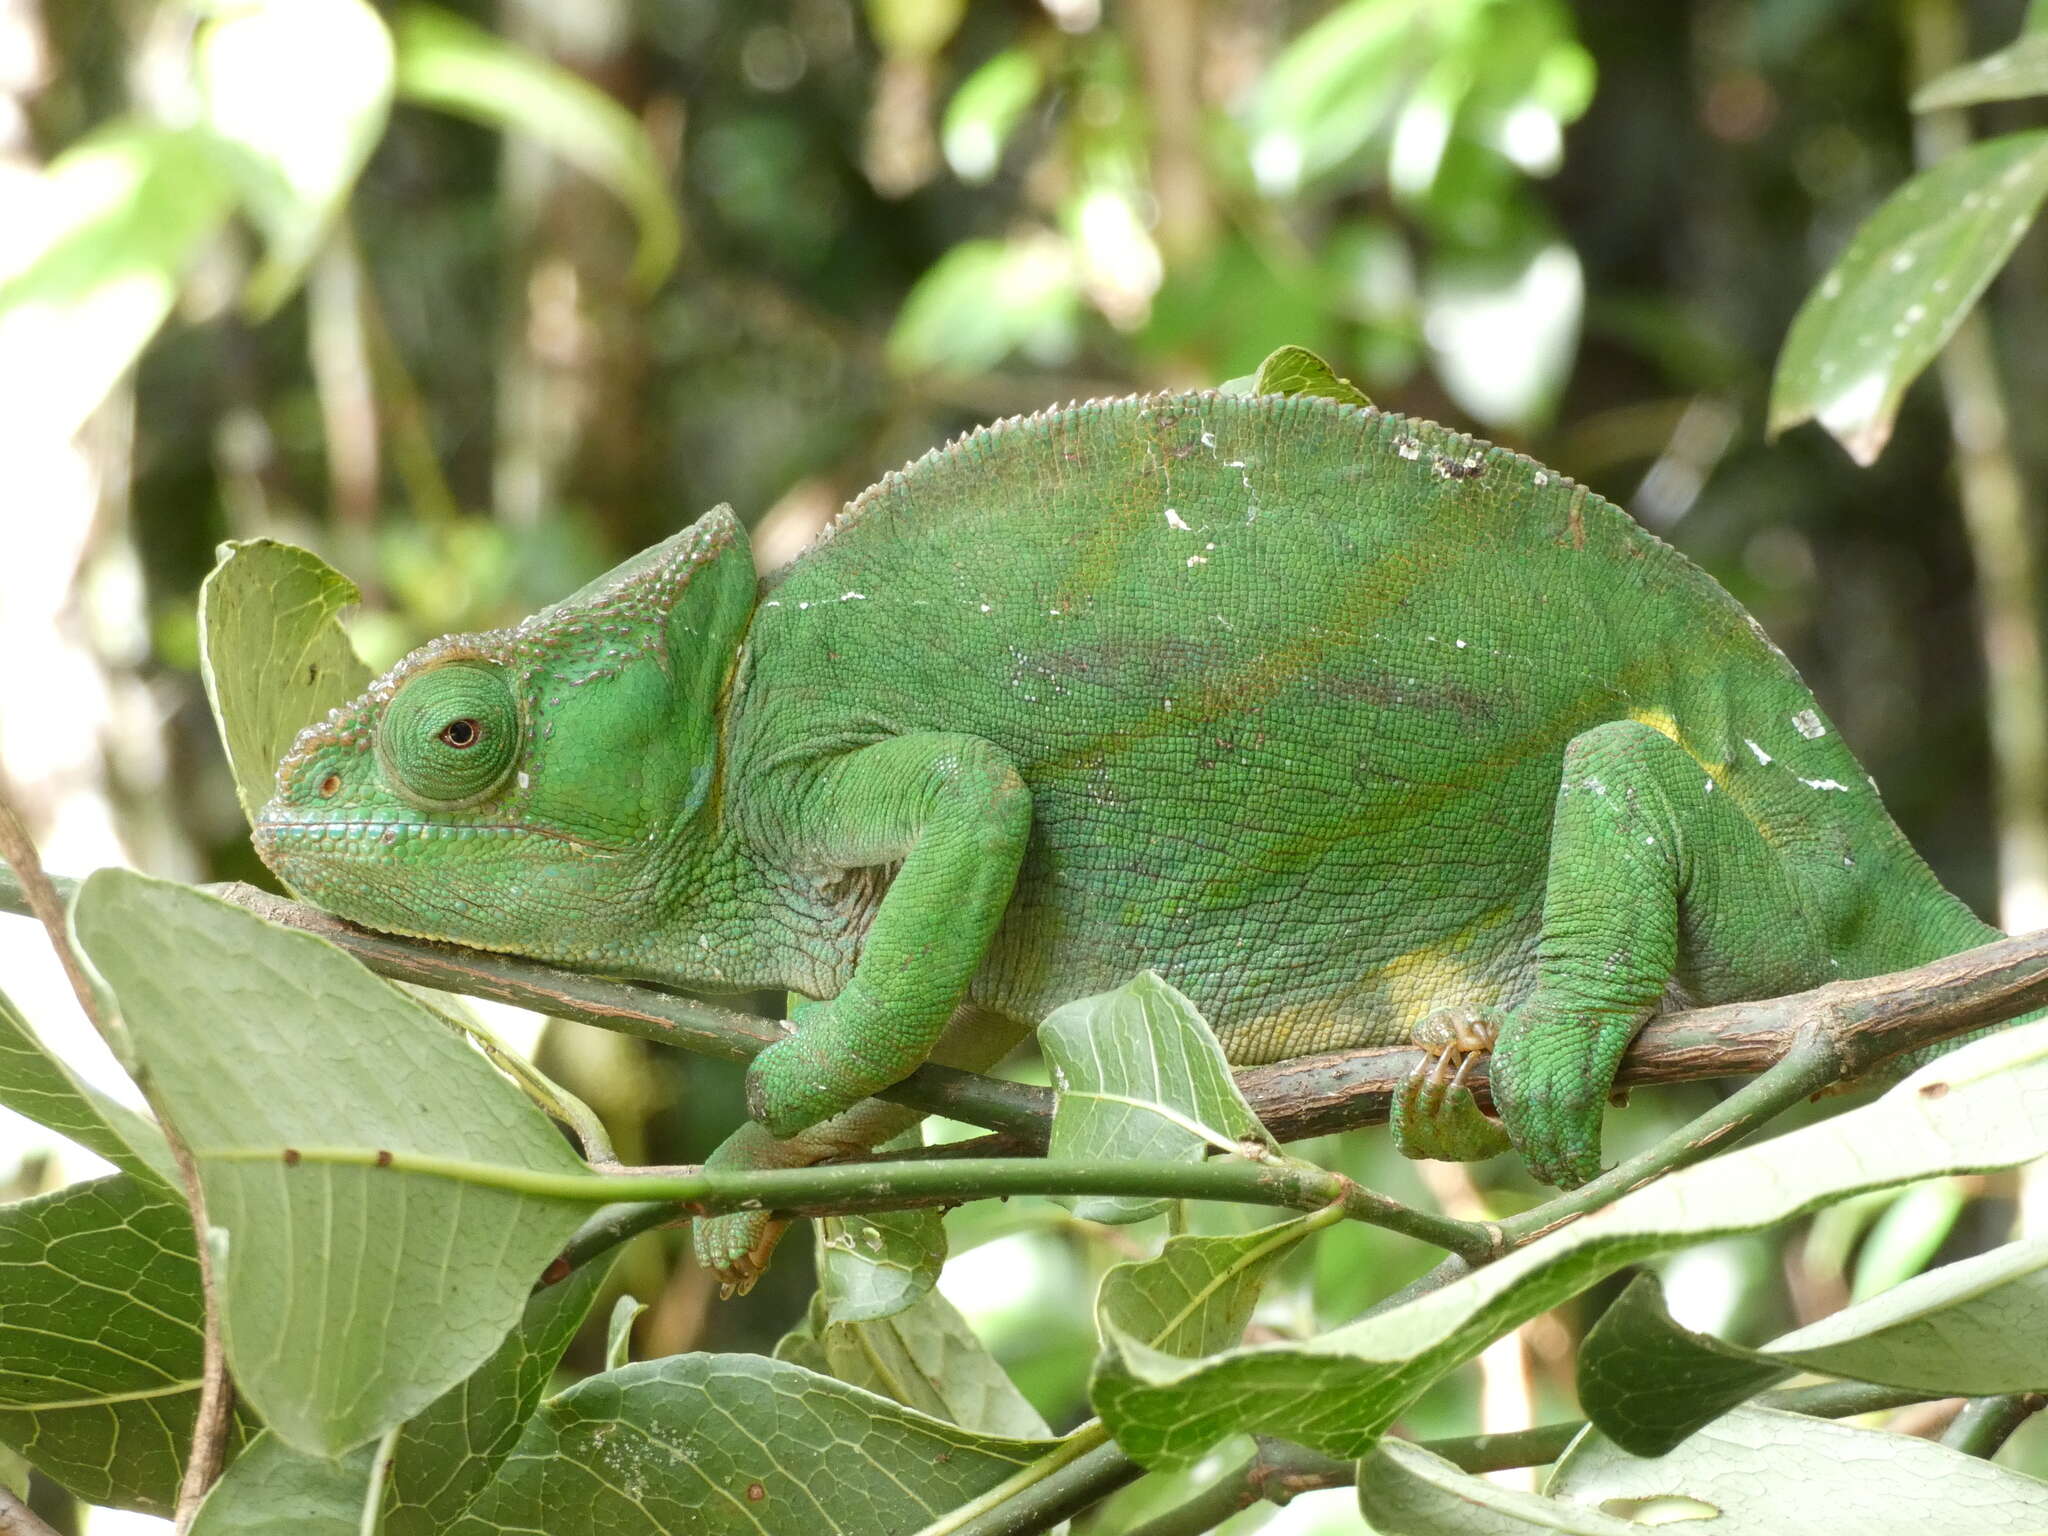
point(736, 1246)
point(1434, 1114)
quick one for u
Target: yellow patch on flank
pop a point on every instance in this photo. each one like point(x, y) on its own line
point(1660, 721)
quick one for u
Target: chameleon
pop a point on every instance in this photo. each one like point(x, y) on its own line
point(1355, 728)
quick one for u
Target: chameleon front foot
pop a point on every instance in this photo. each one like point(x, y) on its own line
point(1434, 1114)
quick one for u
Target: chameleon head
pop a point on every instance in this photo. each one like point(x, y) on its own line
point(524, 789)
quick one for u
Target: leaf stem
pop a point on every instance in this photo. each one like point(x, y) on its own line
point(1986, 1423)
point(1089, 1437)
point(212, 1418)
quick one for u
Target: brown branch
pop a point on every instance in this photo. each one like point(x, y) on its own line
point(1866, 1020)
point(216, 1392)
point(17, 1519)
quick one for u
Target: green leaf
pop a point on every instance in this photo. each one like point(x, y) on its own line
point(870, 1267)
point(91, 256)
point(716, 1444)
point(1197, 1295)
point(439, 1461)
point(297, 92)
point(33, 1082)
point(985, 111)
point(618, 1333)
point(985, 299)
point(1298, 371)
point(1964, 1329)
point(925, 1357)
point(273, 654)
point(1404, 1490)
point(449, 63)
point(1908, 1232)
point(1331, 89)
point(2020, 69)
point(1984, 1106)
point(914, 29)
point(1758, 1472)
point(351, 1296)
point(1138, 1071)
point(1902, 287)
point(100, 1339)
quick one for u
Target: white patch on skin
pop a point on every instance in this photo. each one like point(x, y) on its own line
point(1594, 785)
point(1175, 520)
point(523, 780)
point(773, 602)
point(1761, 755)
point(1824, 784)
point(984, 608)
point(1807, 724)
point(1709, 789)
point(1459, 644)
point(853, 597)
point(1195, 560)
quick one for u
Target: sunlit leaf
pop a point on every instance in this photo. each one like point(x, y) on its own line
point(985, 299)
point(100, 1339)
point(1404, 1490)
point(1139, 1076)
point(273, 654)
point(985, 111)
point(455, 65)
point(739, 1444)
point(2020, 69)
point(35, 1083)
point(1902, 287)
point(351, 1296)
point(914, 28)
point(1757, 1472)
point(1990, 1111)
point(91, 256)
point(1332, 88)
point(297, 91)
point(1908, 1232)
point(1503, 327)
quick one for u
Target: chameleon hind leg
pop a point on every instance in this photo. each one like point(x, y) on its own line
point(1434, 1114)
point(736, 1245)
point(1654, 874)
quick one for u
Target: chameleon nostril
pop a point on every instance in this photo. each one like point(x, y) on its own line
point(330, 784)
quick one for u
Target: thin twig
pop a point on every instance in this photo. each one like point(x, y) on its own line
point(1986, 1423)
point(212, 1421)
point(17, 1519)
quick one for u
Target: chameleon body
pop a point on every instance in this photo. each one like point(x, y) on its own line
point(1337, 719)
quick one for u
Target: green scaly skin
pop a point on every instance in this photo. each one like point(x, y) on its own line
point(1335, 718)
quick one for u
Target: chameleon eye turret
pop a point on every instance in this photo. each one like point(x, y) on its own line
point(451, 735)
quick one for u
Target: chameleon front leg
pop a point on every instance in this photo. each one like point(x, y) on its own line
point(953, 811)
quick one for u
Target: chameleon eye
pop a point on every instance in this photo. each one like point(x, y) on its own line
point(449, 737)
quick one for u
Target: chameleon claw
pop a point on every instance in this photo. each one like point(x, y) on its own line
point(1434, 1114)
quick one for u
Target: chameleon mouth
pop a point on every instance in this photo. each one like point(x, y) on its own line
point(286, 836)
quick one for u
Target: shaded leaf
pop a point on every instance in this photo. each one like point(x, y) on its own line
point(273, 654)
point(985, 110)
point(1137, 1071)
point(618, 1333)
point(1765, 1473)
point(925, 1357)
point(1333, 88)
point(1298, 371)
point(297, 92)
point(2019, 69)
point(100, 1339)
point(272, 1488)
point(33, 1082)
point(1985, 1106)
point(1902, 287)
point(455, 65)
point(870, 1267)
point(1404, 1490)
point(1907, 1233)
point(714, 1444)
point(351, 1296)
point(1197, 1295)
point(91, 256)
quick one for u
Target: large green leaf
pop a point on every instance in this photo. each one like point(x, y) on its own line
point(273, 653)
point(351, 1296)
point(2019, 69)
point(439, 1461)
point(1968, 1328)
point(455, 65)
point(35, 1083)
point(925, 1357)
point(1902, 287)
point(715, 1444)
point(297, 92)
point(100, 1338)
point(1198, 1294)
point(1137, 1072)
point(1985, 1106)
point(1758, 1472)
point(1404, 1490)
point(91, 256)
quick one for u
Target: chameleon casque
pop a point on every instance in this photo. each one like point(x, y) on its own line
point(1345, 723)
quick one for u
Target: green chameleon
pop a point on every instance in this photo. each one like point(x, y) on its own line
point(1354, 728)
